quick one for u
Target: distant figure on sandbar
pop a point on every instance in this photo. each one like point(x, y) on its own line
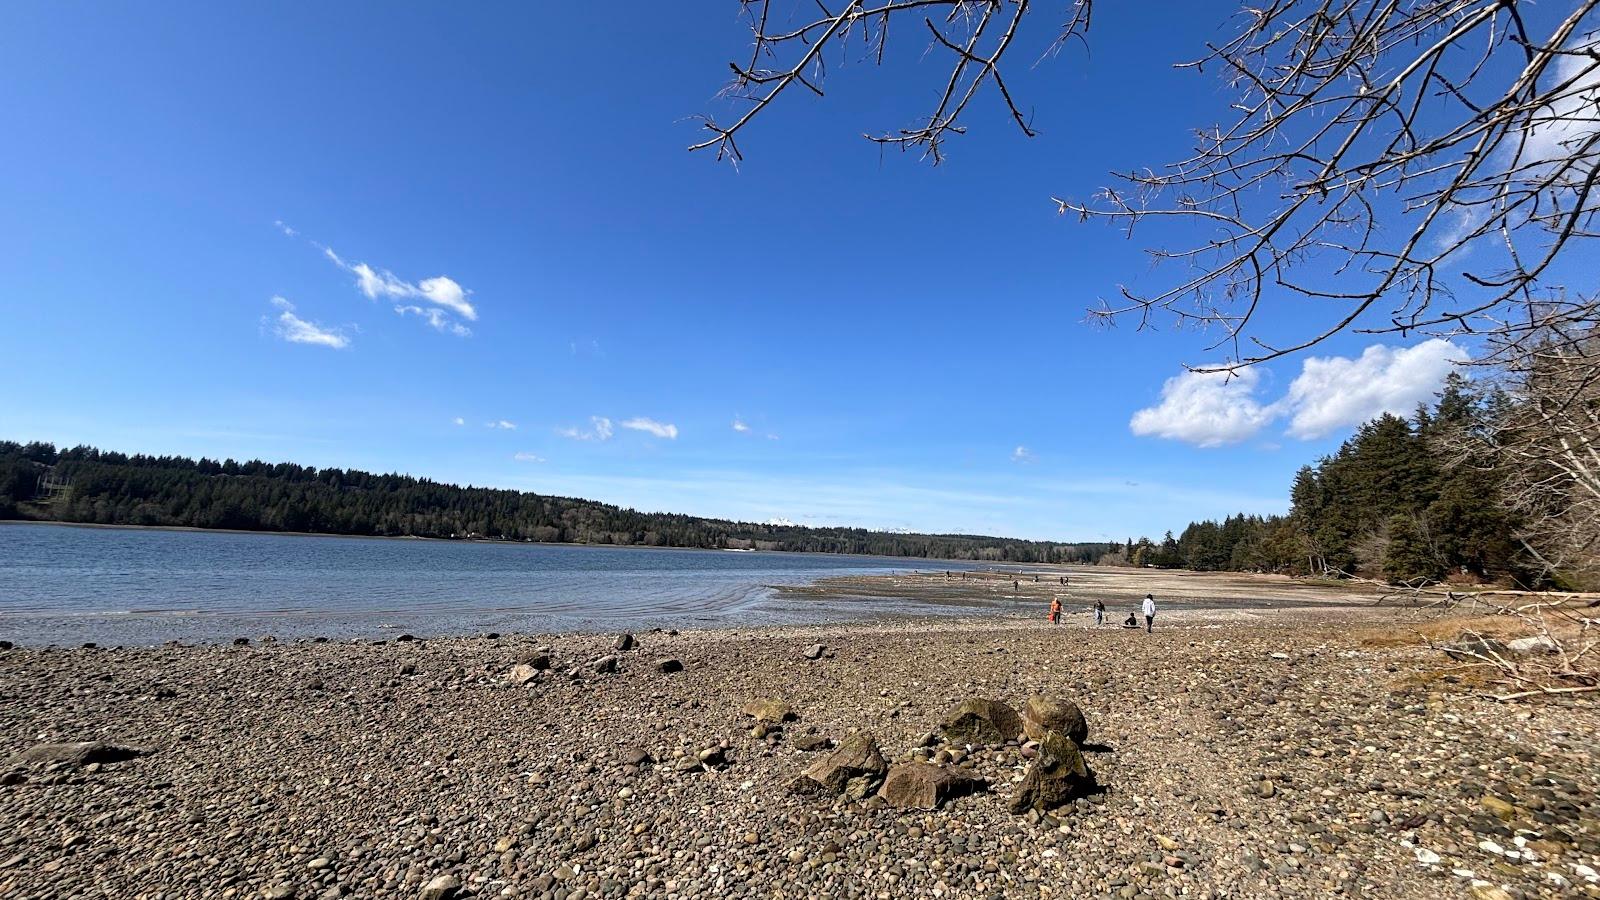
point(1132, 621)
point(1055, 610)
point(1099, 612)
point(1149, 613)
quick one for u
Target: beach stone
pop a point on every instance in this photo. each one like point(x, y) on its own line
point(241, 642)
point(636, 756)
point(6, 645)
point(981, 722)
point(925, 786)
point(771, 711)
point(810, 742)
point(443, 887)
point(1530, 645)
point(1058, 776)
point(625, 642)
point(853, 769)
point(667, 666)
point(82, 753)
point(538, 659)
point(815, 651)
point(522, 673)
point(1042, 714)
point(605, 664)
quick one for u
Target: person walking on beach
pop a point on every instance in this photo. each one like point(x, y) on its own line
point(1099, 612)
point(1149, 613)
point(1055, 610)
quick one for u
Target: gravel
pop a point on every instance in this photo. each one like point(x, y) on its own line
point(1280, 758)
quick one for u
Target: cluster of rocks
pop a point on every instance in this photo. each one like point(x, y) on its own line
point(536, 664)
point(1056, 777)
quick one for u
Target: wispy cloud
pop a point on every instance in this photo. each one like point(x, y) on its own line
point(382, 283)
point(599, 430)
point(501, 424)
point(296, 330)
point(527, 457)
point(740, 426)
point(1022, 454)
point(664, 430)
point(434, 300)
point(1332, 392)
point(438, 318)
point(459, 421)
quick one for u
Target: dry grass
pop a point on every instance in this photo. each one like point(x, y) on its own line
point(1446, 628)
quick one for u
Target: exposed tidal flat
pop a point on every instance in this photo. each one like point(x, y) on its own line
point(1300, 752)
point(1271, 738)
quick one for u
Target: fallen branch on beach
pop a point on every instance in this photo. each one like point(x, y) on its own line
point(1555, 657)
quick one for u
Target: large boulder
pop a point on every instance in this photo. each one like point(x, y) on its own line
point(522, 673)
point(854, 768)
point(772, 712)
point(981, 722)
point(81, 753)
point(1057, 776)
point(919, 785)
point(1044, 714)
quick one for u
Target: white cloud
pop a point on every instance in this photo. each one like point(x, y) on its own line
point(1021, 454)
point(1205, 408)
point(444, 293)
point(1561, 128)
point(284, 228)
point(459, 421)
point(501, 424)
point(600, 430)
point(740, 426)
point(1335, 392)
point(296, 330)
point(527, 457)
point(1331, 392)
point(651, 426)
point(438, 318)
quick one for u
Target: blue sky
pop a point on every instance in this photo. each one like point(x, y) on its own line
point(903, 344)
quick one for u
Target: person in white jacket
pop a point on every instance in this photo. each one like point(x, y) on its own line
point(1149, 613)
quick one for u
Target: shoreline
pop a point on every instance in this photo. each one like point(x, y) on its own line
point(863, 599)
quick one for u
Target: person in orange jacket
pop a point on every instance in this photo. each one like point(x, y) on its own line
point(1055, 610)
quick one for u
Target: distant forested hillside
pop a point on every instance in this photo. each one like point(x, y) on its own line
point(83, 484)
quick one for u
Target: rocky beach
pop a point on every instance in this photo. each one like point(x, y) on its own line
point(1309, 751)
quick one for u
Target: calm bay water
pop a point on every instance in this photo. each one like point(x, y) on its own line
point(67, 585)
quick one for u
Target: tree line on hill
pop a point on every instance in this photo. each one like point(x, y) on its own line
point(87, 485)
point(1408, 501)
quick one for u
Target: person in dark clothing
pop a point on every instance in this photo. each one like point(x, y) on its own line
point(1099, 612)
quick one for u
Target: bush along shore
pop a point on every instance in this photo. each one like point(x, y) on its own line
point(1291, 757)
